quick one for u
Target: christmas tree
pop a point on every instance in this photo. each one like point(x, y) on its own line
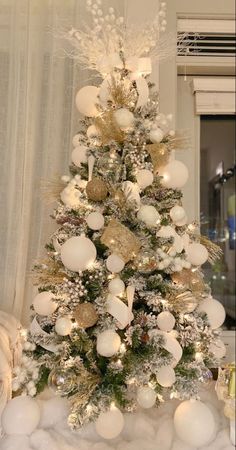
point(123, 318)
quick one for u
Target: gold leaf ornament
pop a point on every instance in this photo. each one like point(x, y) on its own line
point(120, 240)
point(160, 154)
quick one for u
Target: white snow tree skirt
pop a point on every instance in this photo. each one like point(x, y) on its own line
point(146, 430)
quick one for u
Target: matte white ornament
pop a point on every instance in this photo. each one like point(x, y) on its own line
point(63, 326)
point(146, 397)
point(144, 178)
point(43, 303)
point(177, 213)
point(214, 310)
point(86, 100)
point(197, 254)
point(114, 263)
point(79, 155)
point(119, 310)
point(166, 376)
point(165, 321)
point(108, 343)
point(124, 118)
point(110, 424)
point(20, 416)
point(175, 175)
point(149, 215)
point(156, 135)
point(95, 221)
point(218, 349)
point(194, 423)
point(76, 140)
point(143, 92)
point(182, 222)
point(93, 131)
point(116, 286)
point(78, 253)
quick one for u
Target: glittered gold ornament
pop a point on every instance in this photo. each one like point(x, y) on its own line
point(183, 301)
point(85, 315)
point(120, 240)
point(62, 381)
point(189, 279)
point(146, 262)
point(96, 190)
point(159, 154)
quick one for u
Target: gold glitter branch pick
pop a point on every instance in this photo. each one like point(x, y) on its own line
point(108, 129)
point(159, 153)
point(214, 251)
point(51, 189)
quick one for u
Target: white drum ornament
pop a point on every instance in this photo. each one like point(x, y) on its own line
point(114, 263)
point(95, 221)
point(214, 310)
point(218, 349)
point(79, 155)
point(194, 423)
point(197, 254)
point(166, 376)
point(110, 424)
point(156, 135)
point(149, 215)
point(43, 303)
point(86, 100)
point(177, 213)
point(175, 175)
point(146, 397)
point(124, 118)
point(108, 343)
point(116, 286)
point(144, 178)
point(165, 321)
point(20, 416)
point(78, 253)
point(63, 326)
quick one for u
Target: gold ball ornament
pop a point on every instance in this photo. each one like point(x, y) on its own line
point(96, 190)
point(85, 315)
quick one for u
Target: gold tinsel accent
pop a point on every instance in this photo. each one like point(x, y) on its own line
point(51, 189)
point(96, 189)
point(48, 271)
point(85, 315)
point(214, 251)
point(159, 153)
point(122, 93)
point(183, 301)
point(120, 240)
point(87, 383)
point(189, 279)
point(108, 128)
point(180, 141)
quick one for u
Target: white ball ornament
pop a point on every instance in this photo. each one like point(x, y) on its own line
point(108, 343)
point(214, 310)
point(63, 326)
point(182, 222)
point(218, 349)
point(124, 118)
point(43, 303)
point(79, 155)
point(110, 424)
point(20, 416)
point(114, 263)
point(92, 131)
point(116, 286)
point(76, 140)
point(86, 100)
point(144, 178)
point(194, 423)
point(78, 253)
point(156, 135)
point(175, 175)
point(165, 321)
point(146, 397)
point(177, 213)
point(95, 221)
point(197, 254)
point(149, 215)
point(166, 376)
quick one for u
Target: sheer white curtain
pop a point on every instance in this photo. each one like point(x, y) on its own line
point(37, 120)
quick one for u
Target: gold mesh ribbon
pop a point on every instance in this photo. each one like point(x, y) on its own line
point(120, 240)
